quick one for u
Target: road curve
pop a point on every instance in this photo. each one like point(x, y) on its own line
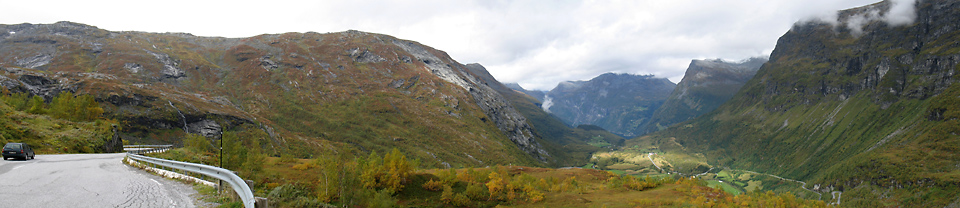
point(86, 180)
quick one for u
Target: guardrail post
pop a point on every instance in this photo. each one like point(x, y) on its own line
point(262, 202)
point(250, 183)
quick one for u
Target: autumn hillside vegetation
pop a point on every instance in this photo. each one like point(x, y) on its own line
point(339, 179)
point(68, 123)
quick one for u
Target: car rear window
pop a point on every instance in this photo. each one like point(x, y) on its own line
point(12, 146)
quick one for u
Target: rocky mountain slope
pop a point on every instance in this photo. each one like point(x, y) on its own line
point(620, 103)
point(705, 86)
point(865, 110)
point(572, 146)
point(536, 94)
point(297, 93)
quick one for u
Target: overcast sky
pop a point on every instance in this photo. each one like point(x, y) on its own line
point(534, 43)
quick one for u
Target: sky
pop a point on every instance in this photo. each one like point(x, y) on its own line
point(536, 43)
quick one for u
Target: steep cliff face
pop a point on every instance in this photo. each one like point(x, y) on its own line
point(866, 107)
point(497, 108)
point(620, 103)
point(299, 93)
point(705, 86)
point(570, 146)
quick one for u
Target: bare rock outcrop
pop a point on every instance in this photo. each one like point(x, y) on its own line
point(497, 108)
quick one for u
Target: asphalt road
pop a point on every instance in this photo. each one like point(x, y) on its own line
point(86, 180)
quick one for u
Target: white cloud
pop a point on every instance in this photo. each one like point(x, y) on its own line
point(535, 43)
point(856, 22)
point(901, 12)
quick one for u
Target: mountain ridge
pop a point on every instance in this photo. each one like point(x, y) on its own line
point(862, 113)
point(620, 103)
point(299, 92)
point(706, 85)
point(574, 144)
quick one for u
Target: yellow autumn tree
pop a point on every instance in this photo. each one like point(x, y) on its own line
point(389, 172)
point(466, 175)
point(372, 171)
point(397, 170)
point(36, 105)
point(448, 177)
point(498, 184)
point(533, 195)
point(68, 106)
point(447, 195)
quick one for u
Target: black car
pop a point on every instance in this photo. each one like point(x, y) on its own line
point(18, 150)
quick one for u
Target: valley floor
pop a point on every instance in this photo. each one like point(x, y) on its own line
point(290, 182)
point(653, 163)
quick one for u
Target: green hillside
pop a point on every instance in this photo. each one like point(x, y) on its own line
point(869, 117)
point(68, 124)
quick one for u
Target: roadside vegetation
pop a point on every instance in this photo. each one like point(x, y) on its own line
point(68, 123)
point(390, 179)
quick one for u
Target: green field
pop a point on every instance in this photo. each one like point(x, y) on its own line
point(725, 186)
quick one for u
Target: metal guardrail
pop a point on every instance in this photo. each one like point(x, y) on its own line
point(237, 183)
point(147, 146)
point(143, 149)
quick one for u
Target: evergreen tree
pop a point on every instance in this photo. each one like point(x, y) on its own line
point(18, 101)
point(234, 154)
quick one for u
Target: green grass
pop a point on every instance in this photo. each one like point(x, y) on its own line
point(623, 166)
point(724, 174)
point(618, 172)
point(210, 194)
point(725, 186)
point(599, 143)
point(51, 135)
point(784, 121)
point(753, 186)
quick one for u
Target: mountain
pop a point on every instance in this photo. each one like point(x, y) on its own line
point(705, 86)
point(864, 109)
point(536, 94)
point(291, 93)
point(570, 146)
point(620, 103)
